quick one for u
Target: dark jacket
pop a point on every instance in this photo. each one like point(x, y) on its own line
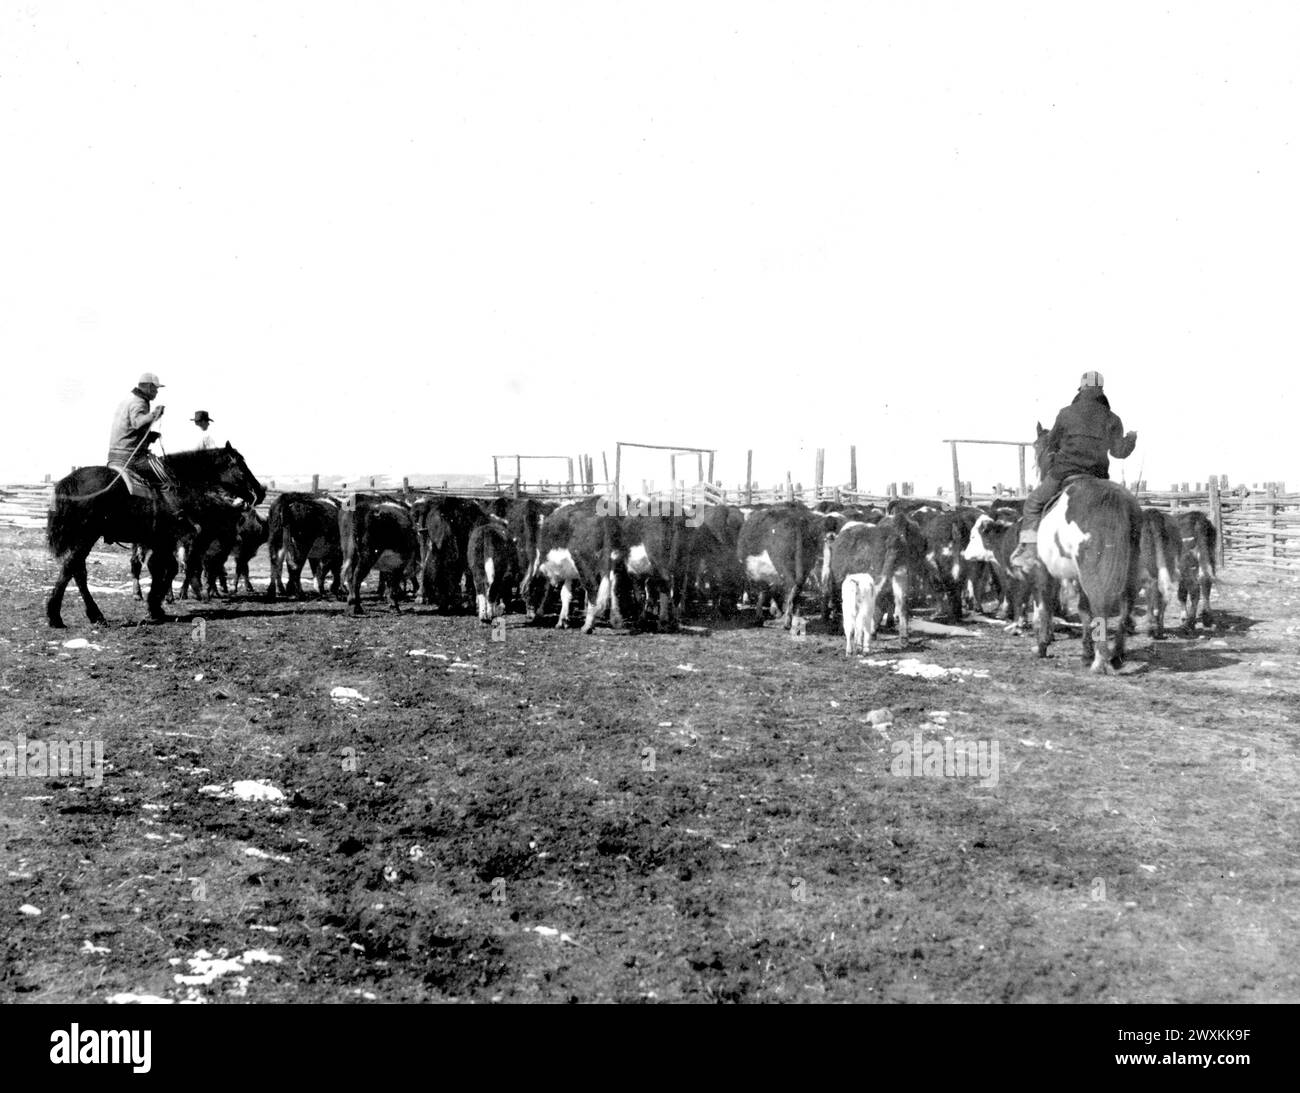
point(131, 422)
point(1085, 435)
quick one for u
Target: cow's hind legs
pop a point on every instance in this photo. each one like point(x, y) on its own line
point(162, 568)
point(566, 604)
point(358, 570)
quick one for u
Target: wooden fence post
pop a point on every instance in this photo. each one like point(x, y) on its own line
point(853, 467)
point(749, 477)
point(1270, 537)
point(315, 483)
point(819, 473)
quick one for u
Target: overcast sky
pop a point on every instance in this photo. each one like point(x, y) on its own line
point(402, 237)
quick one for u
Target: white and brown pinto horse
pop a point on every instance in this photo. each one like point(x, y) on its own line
point(1090, 537)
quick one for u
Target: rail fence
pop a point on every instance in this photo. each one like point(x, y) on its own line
point(1259, 525)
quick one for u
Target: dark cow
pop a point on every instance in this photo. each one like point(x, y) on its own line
point(992, 542)
point(581, 544)
point(524, 516)
point(303, 528)
point(377, 532)
point(716, 571)
point(205, 540)
point(1197, 568)
point(251, 534)
point(947, 534)
point(1005, 508)
point(1161, 551)
point(205, 550)
point(780, 547)
point(870, 563)
point(444, 525)
point(915, 507)
point(494, 567)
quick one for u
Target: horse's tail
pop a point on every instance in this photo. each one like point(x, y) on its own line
point(67, 521)
point(1116, 576)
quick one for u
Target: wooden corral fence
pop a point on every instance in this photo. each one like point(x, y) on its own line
point(1259, 525)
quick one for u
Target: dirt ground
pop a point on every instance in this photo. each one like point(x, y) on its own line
point(698, 817)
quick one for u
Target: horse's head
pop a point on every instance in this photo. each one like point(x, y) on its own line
point(236, 479)
point(1040, 450)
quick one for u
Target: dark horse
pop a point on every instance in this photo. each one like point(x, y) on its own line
point(1091, 534)
point(93, 503)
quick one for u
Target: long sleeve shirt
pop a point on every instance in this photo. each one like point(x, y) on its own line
point(131, 422)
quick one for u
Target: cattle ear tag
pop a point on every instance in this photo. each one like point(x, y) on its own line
point(498, 629)
point(798, 630)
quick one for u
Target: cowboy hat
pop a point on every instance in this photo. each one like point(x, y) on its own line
point(201, 415)
point(148, 377)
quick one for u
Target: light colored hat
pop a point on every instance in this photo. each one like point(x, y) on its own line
point(1092, 379)
point(148, 377)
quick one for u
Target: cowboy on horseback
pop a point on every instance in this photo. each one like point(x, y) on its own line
point(131, 435)
point(1085, 435)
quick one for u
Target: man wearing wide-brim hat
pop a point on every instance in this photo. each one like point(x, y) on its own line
point(1086, 434)
point(205, 439)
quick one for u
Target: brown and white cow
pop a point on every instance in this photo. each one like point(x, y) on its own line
point(658, 560)
point(494, 567)
point(780, 548)
point(992, 542)
point(1197, 572)
point(581, 544)
point(1160, 566)
point(870, 563)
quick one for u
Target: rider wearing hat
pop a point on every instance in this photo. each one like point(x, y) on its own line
point(1085, 435)
point(128, 443)
point(205, 439)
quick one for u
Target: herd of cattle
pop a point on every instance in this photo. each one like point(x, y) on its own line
point(508, 554)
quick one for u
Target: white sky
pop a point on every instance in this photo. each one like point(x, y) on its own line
point(405, 236)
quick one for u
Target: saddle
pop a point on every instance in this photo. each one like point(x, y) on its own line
point(1066, 481)
point(136, 484)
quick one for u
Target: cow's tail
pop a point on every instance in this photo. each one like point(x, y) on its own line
point(1211, 545)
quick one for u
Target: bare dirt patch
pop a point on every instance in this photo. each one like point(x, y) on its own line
point(485, 822)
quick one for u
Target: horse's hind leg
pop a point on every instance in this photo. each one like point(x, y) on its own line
point(137, 564)
point(93, 613)
point(54, 603)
